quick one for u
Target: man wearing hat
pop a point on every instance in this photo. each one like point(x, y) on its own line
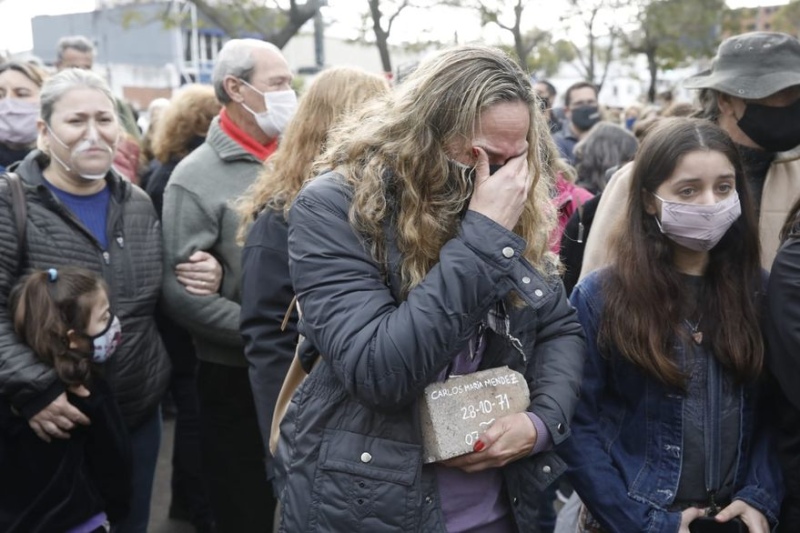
point(752, 91)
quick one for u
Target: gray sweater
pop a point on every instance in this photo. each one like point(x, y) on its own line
point(198, 216)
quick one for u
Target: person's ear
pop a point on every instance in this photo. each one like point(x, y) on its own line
point(725, 104)
point(233, 88)
point(650, 204)
point(43, 140)
point(72, 339)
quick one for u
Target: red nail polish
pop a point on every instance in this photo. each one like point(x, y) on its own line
point(479, 446)
point(475, 152)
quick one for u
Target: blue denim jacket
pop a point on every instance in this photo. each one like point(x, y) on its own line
point(625, 455)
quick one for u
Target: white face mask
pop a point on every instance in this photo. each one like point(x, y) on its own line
point(85, 144)
point(280, 108)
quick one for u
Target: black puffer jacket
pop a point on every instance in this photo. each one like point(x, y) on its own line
point(138, 372)
point(380, 351)
point(783, 358)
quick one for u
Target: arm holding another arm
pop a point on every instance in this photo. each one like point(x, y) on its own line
point(608, 221)
point(31, 386)
point(188, 228)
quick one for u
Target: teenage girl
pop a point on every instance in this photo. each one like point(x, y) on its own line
point(80, 484)
point(667, 436)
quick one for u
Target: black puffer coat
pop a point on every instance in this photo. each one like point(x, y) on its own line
point(783, 358)
point(138, 372)
point(350, 455)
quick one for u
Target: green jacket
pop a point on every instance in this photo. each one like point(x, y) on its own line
point(198, 216)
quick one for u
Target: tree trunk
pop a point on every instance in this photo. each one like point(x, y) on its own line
point(381, 37)
point(520, 50)
point(652, 66)
point(296, 17)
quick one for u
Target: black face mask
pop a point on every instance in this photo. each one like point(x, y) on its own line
point(494, 168)
point(585, 117)
point(775, 129)
point(470, 171)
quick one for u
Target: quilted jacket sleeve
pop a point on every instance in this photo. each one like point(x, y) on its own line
point(30, 384)
point(385, 353)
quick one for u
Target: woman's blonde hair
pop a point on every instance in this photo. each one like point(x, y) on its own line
point(333, 94)
point(394, 155)
point(189, 115)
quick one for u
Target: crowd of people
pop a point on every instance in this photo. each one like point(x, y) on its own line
point(291, 272)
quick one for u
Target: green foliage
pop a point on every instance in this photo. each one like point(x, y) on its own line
point(787, 19)
point(677, 31)
point(547, 57)
point(236, 18)
point(671, 33)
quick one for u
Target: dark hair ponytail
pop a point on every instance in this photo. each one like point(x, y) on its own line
point(45, 305)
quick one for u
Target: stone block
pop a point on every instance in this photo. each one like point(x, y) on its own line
point(456, 412)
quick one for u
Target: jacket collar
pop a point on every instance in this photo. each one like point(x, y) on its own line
point(789, 155)
point(231, 143)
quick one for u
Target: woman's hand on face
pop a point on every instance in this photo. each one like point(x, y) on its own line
point(752, 518)
point(201, 275)
point(501, 196)
point(58, 418)
point(688, 516)
point(509, 438)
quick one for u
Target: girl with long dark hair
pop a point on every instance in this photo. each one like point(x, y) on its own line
point(666, 437)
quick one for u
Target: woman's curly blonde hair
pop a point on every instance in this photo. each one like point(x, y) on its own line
point(189, 115)
point(333, 94)
point(395, 157)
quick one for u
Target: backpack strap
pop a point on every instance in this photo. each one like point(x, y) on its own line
point(20, 209)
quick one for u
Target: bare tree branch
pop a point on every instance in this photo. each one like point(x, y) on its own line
point(400, 8)
point(296, 16)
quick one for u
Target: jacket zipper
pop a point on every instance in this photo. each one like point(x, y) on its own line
point(105, 256)
point(713, 446)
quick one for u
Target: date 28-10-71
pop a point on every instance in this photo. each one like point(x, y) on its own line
point(483, 407)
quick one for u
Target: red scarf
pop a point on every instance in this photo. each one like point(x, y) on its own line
point(260, 151)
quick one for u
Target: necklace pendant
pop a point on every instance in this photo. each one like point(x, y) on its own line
point(697, 336)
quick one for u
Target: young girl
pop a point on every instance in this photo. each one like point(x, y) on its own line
point(666, 437)
point(79, 484)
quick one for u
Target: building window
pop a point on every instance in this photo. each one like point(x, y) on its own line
point(187, 46)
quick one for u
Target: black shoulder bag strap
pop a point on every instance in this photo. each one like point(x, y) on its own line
point(20, 209)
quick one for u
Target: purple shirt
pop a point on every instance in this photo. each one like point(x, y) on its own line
point(476, 502)
point(90, 525)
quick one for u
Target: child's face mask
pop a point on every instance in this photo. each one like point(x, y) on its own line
point(105, 343)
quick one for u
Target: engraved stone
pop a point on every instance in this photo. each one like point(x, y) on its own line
point(456, 412)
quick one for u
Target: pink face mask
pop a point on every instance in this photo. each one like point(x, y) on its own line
point(18, 121)
point(698, 227)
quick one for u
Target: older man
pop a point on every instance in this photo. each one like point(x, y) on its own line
point(251, 80)
point(753, 92)
point(77, 51)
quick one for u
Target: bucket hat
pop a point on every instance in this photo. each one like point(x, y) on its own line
point(752, 66)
